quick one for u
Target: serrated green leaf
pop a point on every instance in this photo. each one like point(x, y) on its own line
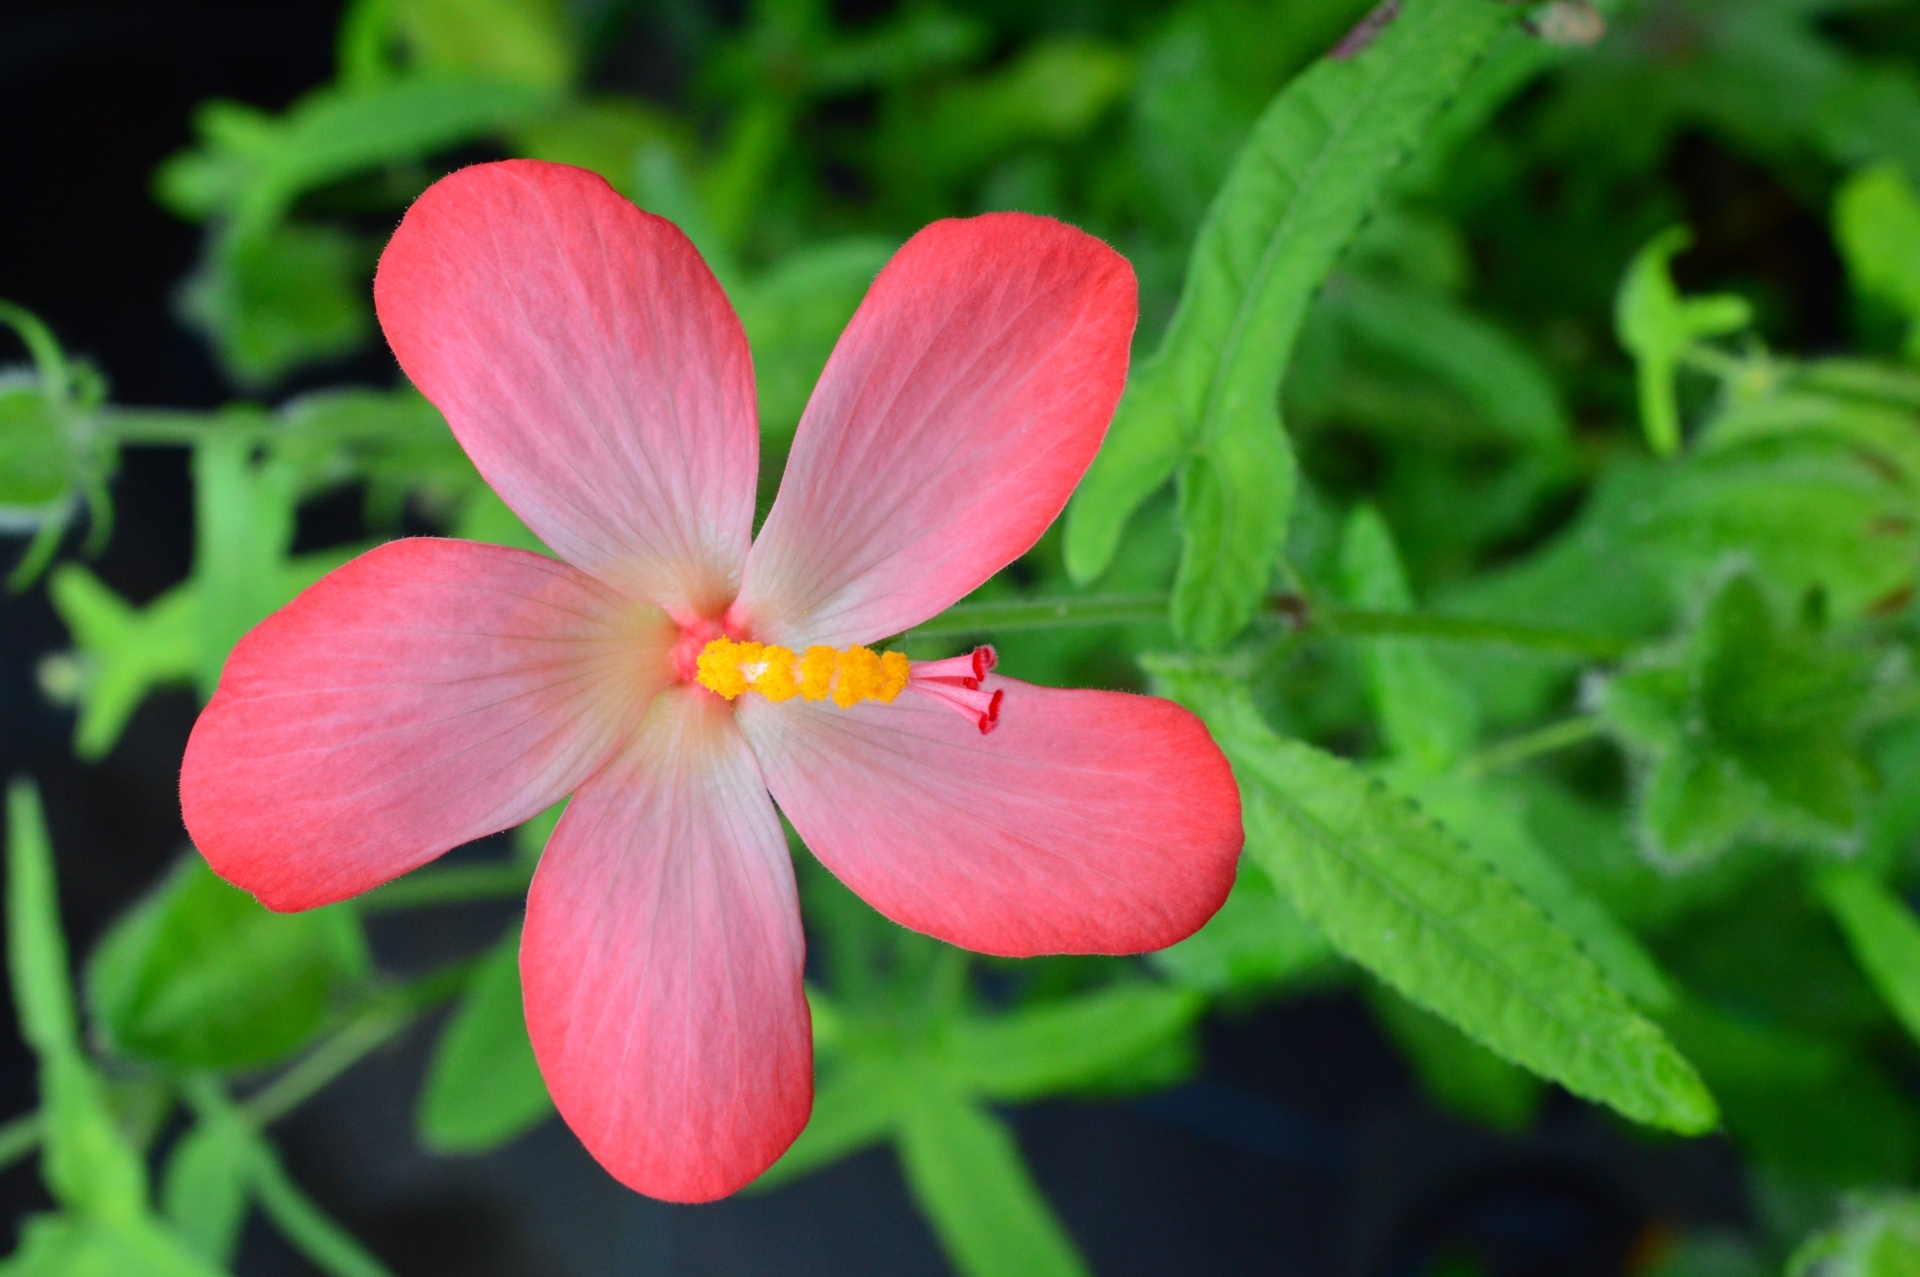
point(1884, 935)
point(1747, 729)
point(1055, 1046)
point(199, 975)
point(1399, 895)
point(1460, 1074)
point(1314, 168)
point(1236, 494)
point(966, 1173)
point(483, 1084)
point(1425, 716)
point(1494, 826)
point(1657, 326)
point(1878, 1235)
point(1809, 513)
point(1256, 941)
point(1876, 219)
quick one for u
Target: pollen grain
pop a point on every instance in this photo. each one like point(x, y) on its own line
point(846, 676)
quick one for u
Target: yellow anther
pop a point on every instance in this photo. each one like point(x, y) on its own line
point(848, 676)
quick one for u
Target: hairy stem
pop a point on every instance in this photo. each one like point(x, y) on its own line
point(1295, 610)
point(1545, 740)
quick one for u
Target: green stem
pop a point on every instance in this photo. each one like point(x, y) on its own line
point(20, 1137)
point(166, 428)
point(1355, 623)
point(1713, 362)
point(1545, 740)
point(1862, 379)
point(1068, 613)
point(1043, 614)
point(453, 884)
point(364, 1034)
point(49, 361)
point(331, 1248)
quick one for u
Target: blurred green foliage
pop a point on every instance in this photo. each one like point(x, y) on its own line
point(1488, 480)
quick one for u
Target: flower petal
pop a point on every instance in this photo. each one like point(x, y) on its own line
point(590, 366)
point(425, 694)
point(662, 960)
point(961, 406)
point(1085, 822)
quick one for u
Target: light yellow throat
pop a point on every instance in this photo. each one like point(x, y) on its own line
point(846, 676)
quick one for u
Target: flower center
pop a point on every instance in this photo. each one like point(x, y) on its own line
point(847, 676)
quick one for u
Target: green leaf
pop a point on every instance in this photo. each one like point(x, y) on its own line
point(1056, 1046)
point(1398, 894)
point(1884, 935)
point(1426, 717)
point(1460, 1074)
point(250, 166)
point(1498, 378)
point(1808, 512)
point(243, 524)
point(1054, 90)
point(1657, 326)
point(1878, 1235)
point(1236, 493)
point(36, 947)
point(604, 134)
point(530, 43)
point(966, 1173)
point(1745, 729)
point(85, 1162)
point(76, 1246)
point(1255, 942)
point(794, 313)
point(1494, 825)
point(1314, 168)
point(1876, 219)
point(124, 652)
point(278, 297)
point(1888, 434)
point(483, 1085)
point(204, 1192)
point(199, 975)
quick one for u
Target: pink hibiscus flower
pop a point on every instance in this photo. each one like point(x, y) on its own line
point(668, 670)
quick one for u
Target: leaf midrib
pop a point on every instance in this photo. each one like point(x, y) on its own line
point(1475, 952)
